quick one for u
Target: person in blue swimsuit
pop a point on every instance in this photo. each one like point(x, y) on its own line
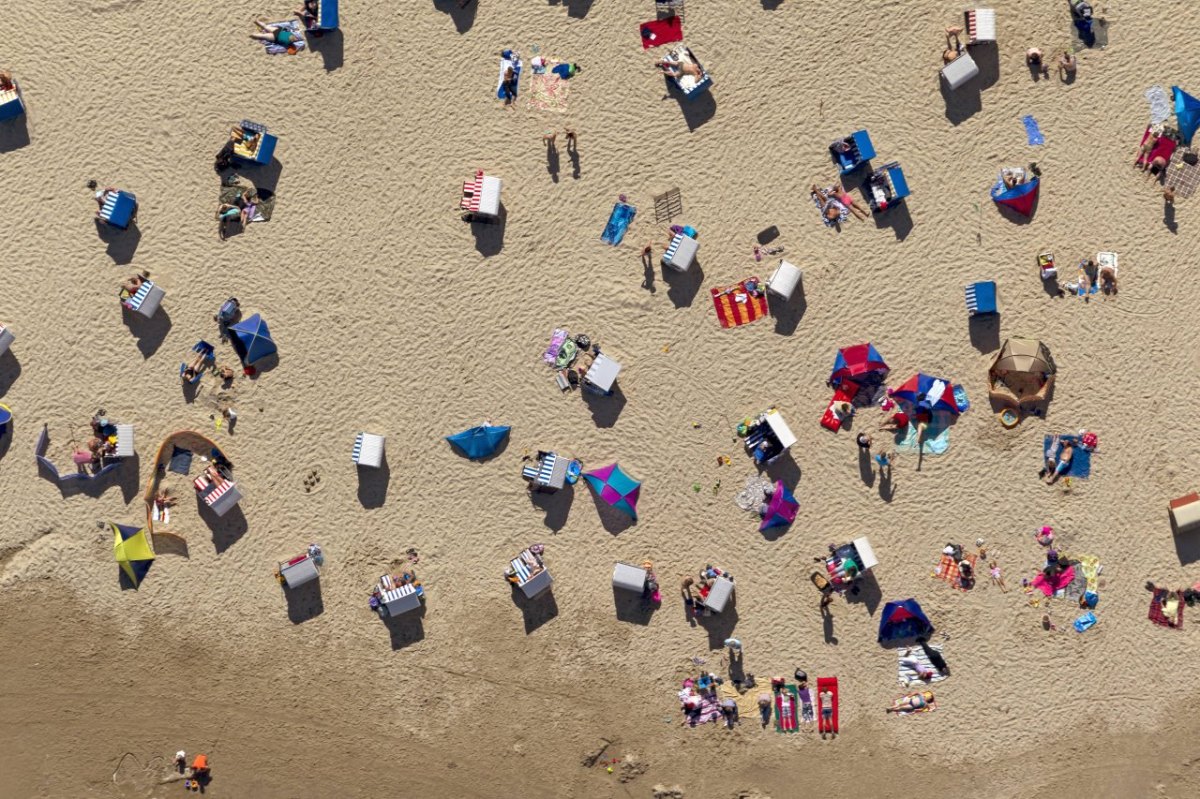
point(275, 34)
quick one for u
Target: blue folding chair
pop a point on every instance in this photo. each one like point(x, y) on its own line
point(981, 298)
point(203, 348)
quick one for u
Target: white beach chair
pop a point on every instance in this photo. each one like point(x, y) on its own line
point(681, 252)
point(628, 577)
point(784, 280)
point(960, 70)
point(124, 441)
point(368, 450)
point(981, 25)
point(719, 594)
point(146, 300)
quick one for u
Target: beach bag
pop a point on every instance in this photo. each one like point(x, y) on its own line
point(1190, 158)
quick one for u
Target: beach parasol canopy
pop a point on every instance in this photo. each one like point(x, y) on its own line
point(922, 390)
point(479, 442)
point(781, 509)
point(1023, 356)
point(252, 339)
point(861, 362)
point(1187, 113)
point(616, 488)
point(131, 548)
point(1021, 197)
point(903, 619)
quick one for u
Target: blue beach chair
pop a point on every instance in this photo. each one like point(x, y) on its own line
point(981, 298)
point(204, 348)
point(264, 148)
point(11, 105)
point(853, 151)
point(119, 208)
point(886, 187)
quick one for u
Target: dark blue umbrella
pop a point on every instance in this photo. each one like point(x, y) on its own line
point(479, 442)
point(252, 339)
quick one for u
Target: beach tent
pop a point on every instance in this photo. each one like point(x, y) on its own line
point(252, 340)
point(1187, 113)
point(1021, 197)
point(923, 390)
point(903, 619)
point(1023, 371)
point(861, 362)
point(616, 488)
point(479, 442)
point(781, 508)
point(131, 548)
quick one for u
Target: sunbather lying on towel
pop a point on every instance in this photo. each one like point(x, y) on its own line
point(274, 34)
point(911, 703)
point(130, 286)
point(831, 207)
point(1056, 467)
point(675, 68)
point(847, 199)
point(192, 369)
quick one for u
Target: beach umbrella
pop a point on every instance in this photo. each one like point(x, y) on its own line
point(861, 362)
point(479, 442)
point(781, 509)
point(616, 488)
point(252, 339)
point(924, 391)
point(1187, 113)
point(1021, 197)
point(903, 619)
point(131, 548)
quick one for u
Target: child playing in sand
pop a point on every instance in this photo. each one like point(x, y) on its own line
point(997, 577)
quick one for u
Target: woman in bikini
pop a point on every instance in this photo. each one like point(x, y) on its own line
point(847, 199)
point(911, 703)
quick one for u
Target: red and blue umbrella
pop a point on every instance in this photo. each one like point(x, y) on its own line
point(616, 488)
point(928, 393)
point(858, 362)
point(1021, 197)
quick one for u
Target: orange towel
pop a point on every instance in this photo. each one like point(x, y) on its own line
point(730, 312)
point(947, 569)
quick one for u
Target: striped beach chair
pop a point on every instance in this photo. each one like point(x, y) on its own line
point(118, 209)
point(681, 252)
point(981, 298)
point(146, 300)
point(368, 450)
point(471, 192)
point(981, 25)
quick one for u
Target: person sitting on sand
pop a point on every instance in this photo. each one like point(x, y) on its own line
point(275, 34)
point(1156, 166)
point(1066, 65)
point(953, 49)
point(7, 84)
point(101, 195)
point(308, 13)
point(1108, 280)
point(1033, 57)
point(831, 207)
point(911, 703)
point(1146, 148)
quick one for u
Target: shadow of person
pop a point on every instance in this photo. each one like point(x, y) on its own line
point(827, 628)
point(1169, 217)
point(573, 154)
point(552, 161)
point(865, 471)
point(462, 12)
point(887, 488)
point(648, 270)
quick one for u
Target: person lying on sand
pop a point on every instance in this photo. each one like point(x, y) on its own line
point(911, 703)
point(275, 34)
point(675, 68)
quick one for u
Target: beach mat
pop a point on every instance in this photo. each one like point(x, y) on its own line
point(295, 27)
point(1079, 582)
point(907, 676)
point(1032, 132)
point(264, 208)
point(181, 461)
point(1158, 613)
point(730, 312)
point(505, 64)
point(1081, 459)
point(661, 31)
point(787, 709)
point(947, 569)
point(710, 710)
point(937, 436)
point(618, 222)
point(830, 684)
point(548, 92)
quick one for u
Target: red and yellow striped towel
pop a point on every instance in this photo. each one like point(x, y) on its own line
point(730, 312)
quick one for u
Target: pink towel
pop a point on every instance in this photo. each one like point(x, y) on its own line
point(1056, 583)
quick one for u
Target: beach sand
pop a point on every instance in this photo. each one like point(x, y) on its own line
point(395, 317)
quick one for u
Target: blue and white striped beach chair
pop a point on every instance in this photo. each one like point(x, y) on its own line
point(368, 450)
point(981, 298)
point(146, 300)
point(118, 209)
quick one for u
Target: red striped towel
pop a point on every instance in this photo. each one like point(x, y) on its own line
point(730, 312)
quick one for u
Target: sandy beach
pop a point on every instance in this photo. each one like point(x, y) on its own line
point(394, 316)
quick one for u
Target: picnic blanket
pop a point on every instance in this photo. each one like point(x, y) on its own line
point(1058, 582)
point(937, 436)
point(661, 31)
point(908, 675)
point(181, 461)
point(1081, 459)
point(1078, 585)
point(947, 569)
point(734, 313)
point(618, 222)
point(1158, 610)
point(787, 709)
point(262, 209)
point(548, 92)
point(843, 211)
point(1183, 176)
point(299, 44)
point(1160, 105)
point(1032, 132)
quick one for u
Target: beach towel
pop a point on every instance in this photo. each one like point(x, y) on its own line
point(504, 65)
point(787, 710)
point(181, 461)
point(548, 92)
point(843, 211)
point(908, 675)
point(709, 710)
point(937, 436)
point(827, 684)
point(263, 209)
point(1081, 459)
point(1032, 132)
point(1158, 614)
point(736, 306)
point(929, 707)
point(1090, 566)
point(947, 569)
point(1165, 146)
point(845, 393)
point(295, 27)
point(1160, 105)
point(661, 31)
point(556, 341)
point(618, 222)
point(1058, 582)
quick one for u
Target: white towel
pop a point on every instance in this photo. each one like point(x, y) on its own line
point(908, 676)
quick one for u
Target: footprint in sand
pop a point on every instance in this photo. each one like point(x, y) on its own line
point(312, 481)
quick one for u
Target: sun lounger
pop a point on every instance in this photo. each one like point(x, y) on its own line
point(264, 145)
point(530, 582)
point(719, 595)
point(146, 299)
point(368, 450)
point(689, 85)
point(118, 208)
point(981, 298)
point(784, 280)
point(827, 684)
point(481, 196)
point(327, 16)
point(601, 376)
point(6, 338)
point(550, 471)
point(222, 498)
point(401, 599)
point(981, 25)
point(298, 571)
point(1185, 513)
point(960, 70)
point(681, 252)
